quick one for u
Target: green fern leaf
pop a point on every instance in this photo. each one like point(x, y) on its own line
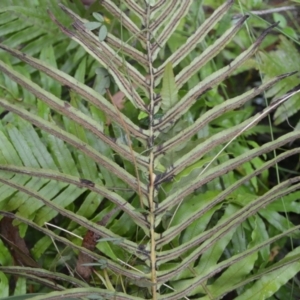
point(169, 91)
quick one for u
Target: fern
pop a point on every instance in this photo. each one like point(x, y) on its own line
point(168, 205)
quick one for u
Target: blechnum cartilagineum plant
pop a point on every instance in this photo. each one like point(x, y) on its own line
point(166, 197)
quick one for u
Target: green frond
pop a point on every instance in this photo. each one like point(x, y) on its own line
point(123, 163)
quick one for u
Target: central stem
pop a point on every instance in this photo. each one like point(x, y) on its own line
point(151, 194)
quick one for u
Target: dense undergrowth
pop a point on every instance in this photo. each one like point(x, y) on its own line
point(148, 149)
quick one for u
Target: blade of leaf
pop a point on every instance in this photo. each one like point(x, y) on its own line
point(169, 91)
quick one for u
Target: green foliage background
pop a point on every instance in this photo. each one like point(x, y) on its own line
point(76, 208)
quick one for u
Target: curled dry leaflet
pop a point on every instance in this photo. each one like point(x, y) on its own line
point(169, 206)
